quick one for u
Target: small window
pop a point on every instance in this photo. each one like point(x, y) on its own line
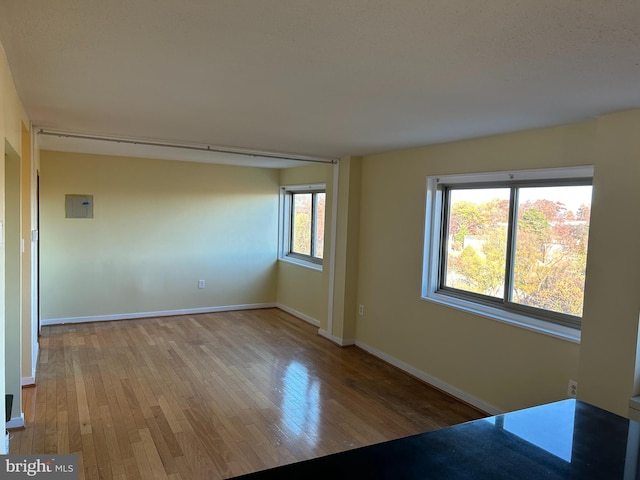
point(510, 245)
point(302, 224)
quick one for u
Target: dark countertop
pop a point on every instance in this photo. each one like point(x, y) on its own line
point(562, 440)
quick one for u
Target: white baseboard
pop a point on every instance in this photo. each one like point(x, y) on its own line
point(316, 323)
point(28, 381)
point(439, 384)
point(343, 342)
point(34, 357)
point(16, 422)
point(163, 313)
point(300, 315)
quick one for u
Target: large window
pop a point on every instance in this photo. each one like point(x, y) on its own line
point(302, 224)
point(510, 245)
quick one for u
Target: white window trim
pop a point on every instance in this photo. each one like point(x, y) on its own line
point(432, 244)
point(284, 227)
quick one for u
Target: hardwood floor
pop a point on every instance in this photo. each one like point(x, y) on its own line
point(215, 395)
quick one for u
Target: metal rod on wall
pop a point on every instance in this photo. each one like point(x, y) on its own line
point(202, 148)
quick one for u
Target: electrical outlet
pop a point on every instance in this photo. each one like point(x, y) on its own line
point(200, 283)
point(361, 310)
point(572, 389)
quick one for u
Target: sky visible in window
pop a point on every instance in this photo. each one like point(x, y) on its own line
point(571, 196)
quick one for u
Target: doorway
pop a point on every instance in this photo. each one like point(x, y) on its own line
point(13, 287)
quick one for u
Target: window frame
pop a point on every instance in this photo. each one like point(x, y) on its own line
point(286, 225)
point(433, 288)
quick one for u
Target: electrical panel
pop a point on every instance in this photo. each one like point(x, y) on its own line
point(78, 206)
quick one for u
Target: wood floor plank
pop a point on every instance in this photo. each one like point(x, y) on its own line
point(84, 419)
point(155, 462)
point(131, 467)
point(38, 423)
point(142, 461)
point(111, 438)
point(88, 451)
point(166, 446)
point(214, 395)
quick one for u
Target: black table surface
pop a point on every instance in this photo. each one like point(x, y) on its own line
point(561, 440)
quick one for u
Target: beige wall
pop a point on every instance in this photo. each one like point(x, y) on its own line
point(497, 364)
point(346, 251)
point(300, 289)
point(608, 373)
point(12, 119)
point(158, 227)
point(29, 339)
point(5, 77)
point(500, 365)
point(12, 278)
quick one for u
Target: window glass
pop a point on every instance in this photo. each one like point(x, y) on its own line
point(510, 245)
point(319, 225)
point(476, 242)
point(301, 223)
point(551, 248)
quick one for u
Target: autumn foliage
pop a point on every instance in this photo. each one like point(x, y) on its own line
point(549, 253)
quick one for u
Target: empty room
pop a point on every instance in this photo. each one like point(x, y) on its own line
point(351, 239)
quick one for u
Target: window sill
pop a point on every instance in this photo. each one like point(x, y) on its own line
point(511, 318)
point(301, 263)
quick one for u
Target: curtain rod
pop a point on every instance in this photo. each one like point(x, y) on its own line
point(202, 148)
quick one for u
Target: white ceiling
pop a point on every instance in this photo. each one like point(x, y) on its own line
point(322, 78)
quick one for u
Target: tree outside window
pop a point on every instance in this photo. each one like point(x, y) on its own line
point(519, 245)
